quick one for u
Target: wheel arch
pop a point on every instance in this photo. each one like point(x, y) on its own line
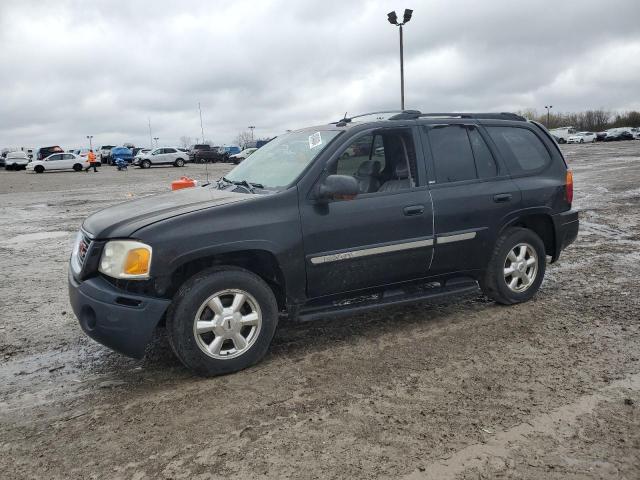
point(263, 263)
point(541, 224)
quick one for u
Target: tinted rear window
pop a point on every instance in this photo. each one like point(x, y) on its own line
point(452, 154)
point(521, 149)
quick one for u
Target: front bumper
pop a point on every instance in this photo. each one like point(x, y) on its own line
point(566, 226)
point(114, 318)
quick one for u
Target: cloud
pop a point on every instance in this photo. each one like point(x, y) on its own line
point(72, 68)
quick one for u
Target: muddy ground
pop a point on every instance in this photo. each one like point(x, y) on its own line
point(455, 388)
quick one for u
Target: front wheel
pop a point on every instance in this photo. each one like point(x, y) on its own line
point(77, 167)
point(39, 169)
point(516, 267)
point(222, 320)
point(145, 164)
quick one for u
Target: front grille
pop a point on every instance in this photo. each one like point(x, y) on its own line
point(83, 248)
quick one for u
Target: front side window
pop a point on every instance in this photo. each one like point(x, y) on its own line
point(523, 151)
point(382, 161)
point(54, 158)
point(278, 163)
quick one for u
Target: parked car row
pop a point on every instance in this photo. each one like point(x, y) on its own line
point(571, 135)
point(55, 158)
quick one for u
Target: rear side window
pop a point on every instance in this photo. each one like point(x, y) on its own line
point(452, 154)
point(523, 151)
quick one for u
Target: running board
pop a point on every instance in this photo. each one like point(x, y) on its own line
point(363, 303)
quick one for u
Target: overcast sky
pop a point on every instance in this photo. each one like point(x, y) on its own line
point(73, 68)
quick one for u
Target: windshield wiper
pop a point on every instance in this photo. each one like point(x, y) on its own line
point(242, 183)
point(248, 185)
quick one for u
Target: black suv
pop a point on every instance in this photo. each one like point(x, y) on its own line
point(435, 204)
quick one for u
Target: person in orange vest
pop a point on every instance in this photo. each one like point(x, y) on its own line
point(91, 158)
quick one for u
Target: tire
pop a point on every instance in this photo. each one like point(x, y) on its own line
point(39, 169)
point(494, 282)
point(582, 140)
point(77, 167)
point(145, 164)
point(562, 141)
point(179, 162)
point(190, 304)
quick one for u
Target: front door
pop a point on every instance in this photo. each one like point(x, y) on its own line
point(472, 195)
point(382, 236)
point(55, 162)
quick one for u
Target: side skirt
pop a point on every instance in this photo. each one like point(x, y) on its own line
point(394, 296)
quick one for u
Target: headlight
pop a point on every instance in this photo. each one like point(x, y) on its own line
point(126, 259)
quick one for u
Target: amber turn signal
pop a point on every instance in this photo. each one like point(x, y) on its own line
point(137, 262)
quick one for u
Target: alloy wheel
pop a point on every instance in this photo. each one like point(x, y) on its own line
point(227, 324)
point(520, 267)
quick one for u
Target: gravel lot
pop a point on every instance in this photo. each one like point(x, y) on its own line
point(458, 388)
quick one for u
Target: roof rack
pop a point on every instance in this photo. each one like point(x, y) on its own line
point(415, 114)
point(342, 122)
point(487, 116)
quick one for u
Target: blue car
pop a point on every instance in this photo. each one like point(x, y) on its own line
point(122, 153)
point(232, 150)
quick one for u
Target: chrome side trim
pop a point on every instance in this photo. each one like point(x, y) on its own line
point(458, 237)
point(371, 251)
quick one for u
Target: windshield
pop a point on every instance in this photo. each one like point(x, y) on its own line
point(279, 162)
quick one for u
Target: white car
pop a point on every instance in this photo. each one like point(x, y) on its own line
point(238, 157)
point(162, 156)
point(582, 137)
point(58, 161)
point(16, 161)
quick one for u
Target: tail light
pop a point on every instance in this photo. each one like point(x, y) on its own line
point(569, 187)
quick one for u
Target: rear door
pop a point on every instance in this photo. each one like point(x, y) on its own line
point(169, 155)
point(382, 236)
point(472, 195)
point(68, 161)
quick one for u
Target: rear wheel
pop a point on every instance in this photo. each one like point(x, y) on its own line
point(516, 267)
point(222, 320)
point(179, 162)
point(39, 169)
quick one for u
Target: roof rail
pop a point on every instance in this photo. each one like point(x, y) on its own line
point(486, 116)
point(415, 114)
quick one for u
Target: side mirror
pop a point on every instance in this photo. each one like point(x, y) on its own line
point(338, 187)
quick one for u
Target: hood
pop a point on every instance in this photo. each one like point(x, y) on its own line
point(121, 221)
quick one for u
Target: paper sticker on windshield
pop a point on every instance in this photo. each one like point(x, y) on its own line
point(315, 140)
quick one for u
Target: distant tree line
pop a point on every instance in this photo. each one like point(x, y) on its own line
point(589, 120)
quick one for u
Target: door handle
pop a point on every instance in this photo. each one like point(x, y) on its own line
point(414, 210)
point(502, 197)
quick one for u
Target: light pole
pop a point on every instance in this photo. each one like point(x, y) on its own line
point(548, 107)
point(252, 128)
point(156, 139)
point(393, 20)
point(90, 144)
point(201, 127)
